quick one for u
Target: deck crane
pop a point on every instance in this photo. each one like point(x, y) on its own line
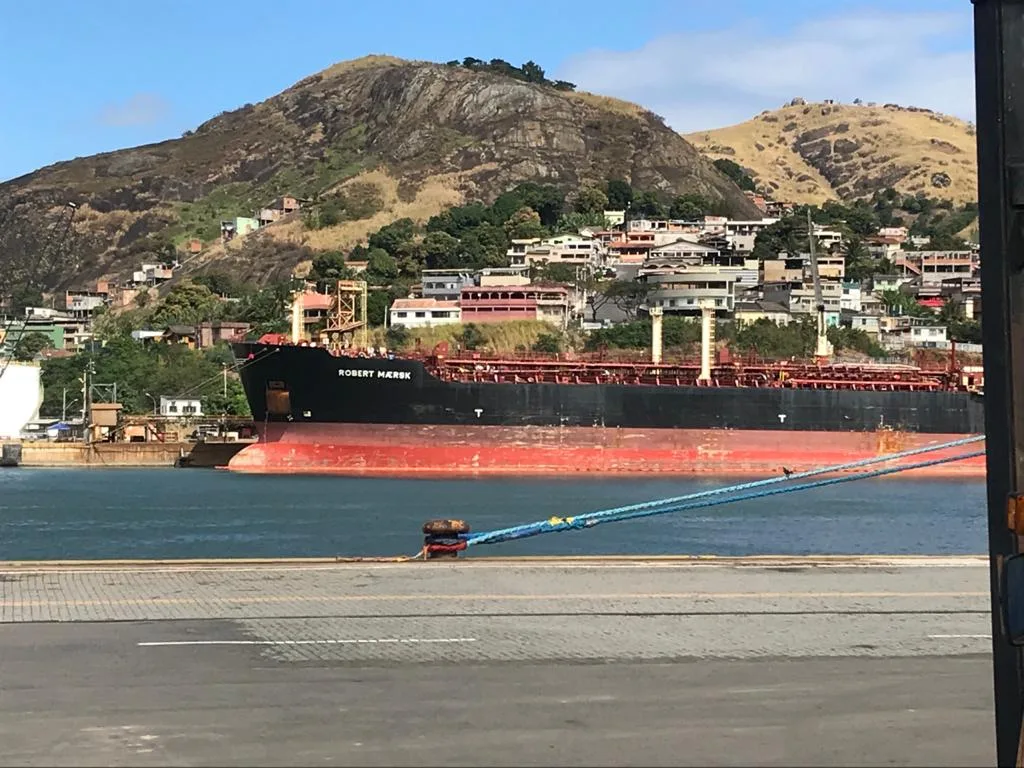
point(822, 346)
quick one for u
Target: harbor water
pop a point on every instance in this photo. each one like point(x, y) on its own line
point(176, 513)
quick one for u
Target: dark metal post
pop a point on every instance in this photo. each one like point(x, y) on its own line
point(999, 83)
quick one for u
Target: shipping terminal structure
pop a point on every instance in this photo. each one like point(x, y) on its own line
point(322, 410)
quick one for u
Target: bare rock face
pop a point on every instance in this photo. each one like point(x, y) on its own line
point(415, 120)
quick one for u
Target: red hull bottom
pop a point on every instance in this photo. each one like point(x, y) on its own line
point(388, 450)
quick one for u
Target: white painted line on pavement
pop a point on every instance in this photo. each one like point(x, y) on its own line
point(958, 637)
point(353, 641)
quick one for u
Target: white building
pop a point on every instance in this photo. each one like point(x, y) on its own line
point(571, 250)
point(743, 234)
point(851, 298)
point(176, 407)
point(916, 335)
point(424, 313)
point(870, 324)
point(150, 274)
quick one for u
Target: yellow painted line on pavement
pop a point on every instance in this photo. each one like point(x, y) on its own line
point(275, 599)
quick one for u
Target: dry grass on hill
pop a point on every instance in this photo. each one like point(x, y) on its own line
point(817, 152)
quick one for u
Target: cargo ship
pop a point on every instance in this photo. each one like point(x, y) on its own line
point(321, 411)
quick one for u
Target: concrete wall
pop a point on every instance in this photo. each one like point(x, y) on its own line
point(43, 454)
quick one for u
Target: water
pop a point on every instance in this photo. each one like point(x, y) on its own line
point(174, 513)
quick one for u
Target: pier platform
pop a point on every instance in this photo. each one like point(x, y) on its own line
point(610, 661)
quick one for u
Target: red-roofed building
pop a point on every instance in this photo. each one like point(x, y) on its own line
point(423, 313)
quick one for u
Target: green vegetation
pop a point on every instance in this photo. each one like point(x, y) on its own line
point(935, 219)
point(143, 373)
point(29, 345)
point(530, 72)
point(358, 201)
point(735, 172)
point(677, 332)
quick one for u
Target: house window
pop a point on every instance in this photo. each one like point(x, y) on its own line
point(421, 314)
point(402, 314)
point(172, 408)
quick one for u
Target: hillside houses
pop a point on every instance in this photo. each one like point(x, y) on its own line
point(684, 266)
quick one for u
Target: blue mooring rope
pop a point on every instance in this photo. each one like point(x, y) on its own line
point(688, 502)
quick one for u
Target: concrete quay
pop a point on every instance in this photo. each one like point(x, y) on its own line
point(611, 661)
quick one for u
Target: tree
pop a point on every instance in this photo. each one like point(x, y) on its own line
point(397, 337)
point(574, 222)
point(485, 246)
point(533, 72)
point(591, 200)
point(188, 303)
point(951, 311)
point(220, 283)
point(25, 296)
point(620, 194)
point(787, 235)
point(735, 172)
point(31, 344)
point(548, 344)
point(859, 264)
point(329, 267)
point(547, 200)
point(233, 403)
point(381, 267)
point(391, 236)
point(441, 250)
point(767, 339)
point(524, 223)
point(689, 207)
point(266, 310)
point(627, 295)
point(553, 273)
point(471, 337)
point(649, 204)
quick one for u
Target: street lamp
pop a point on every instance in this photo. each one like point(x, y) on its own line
point(154, 402)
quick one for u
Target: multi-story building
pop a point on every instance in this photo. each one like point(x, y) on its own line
point(444, 284)
point(496, 303)
point(82, 303)
point(570, 250)
point(799, 299)
point(743, 234)
point(935, 267)
point(851, 296)
point(152, 274)
point(684, 275)
point(424, 313)
point(785, 269)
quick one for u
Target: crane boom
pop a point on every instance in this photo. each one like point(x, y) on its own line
point(822, 347)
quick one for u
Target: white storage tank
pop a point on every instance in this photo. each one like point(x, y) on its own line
point(21, 395)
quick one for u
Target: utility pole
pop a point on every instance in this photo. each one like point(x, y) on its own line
point(999, 77)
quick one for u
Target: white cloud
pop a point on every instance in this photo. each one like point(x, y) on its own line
point(708, 79)
point(139, 109)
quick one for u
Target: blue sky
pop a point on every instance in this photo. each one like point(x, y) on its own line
point(81, 77)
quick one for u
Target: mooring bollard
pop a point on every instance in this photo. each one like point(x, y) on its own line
point(441, 538)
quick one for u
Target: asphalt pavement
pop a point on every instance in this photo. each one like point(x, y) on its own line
point(751, 662)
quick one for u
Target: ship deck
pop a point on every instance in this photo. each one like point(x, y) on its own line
point(586, 661)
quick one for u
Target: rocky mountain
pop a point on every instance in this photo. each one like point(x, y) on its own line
point(826, 151)
point(394, 138)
